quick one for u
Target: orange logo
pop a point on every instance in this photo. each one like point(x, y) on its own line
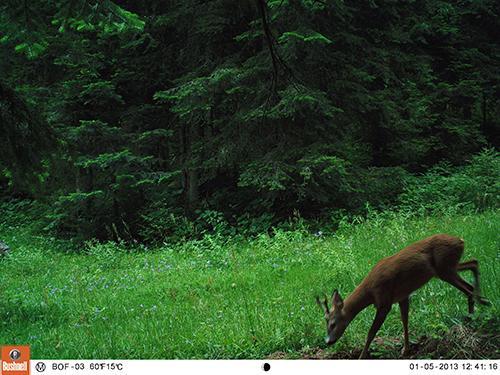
point(15, 360)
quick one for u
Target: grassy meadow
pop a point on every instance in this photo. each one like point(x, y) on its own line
point(219, 298)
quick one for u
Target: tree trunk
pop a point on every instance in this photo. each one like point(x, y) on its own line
point(190, 171)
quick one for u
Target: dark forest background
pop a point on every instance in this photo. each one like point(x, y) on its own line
point(156, 120)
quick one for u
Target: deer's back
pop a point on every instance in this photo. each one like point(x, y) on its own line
point(395, 277)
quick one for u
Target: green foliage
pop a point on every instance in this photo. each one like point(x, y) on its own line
point(161, 224)
point(311, 107)
point(104, 255)
point(212, 222)
point(475, 186)
point(32, 51)
point(26, 141)
point(250, 297)
point(19, 212)
point(315, 37)
point(223, 134)
point(380, 187)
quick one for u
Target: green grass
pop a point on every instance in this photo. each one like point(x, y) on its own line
point(221, 299)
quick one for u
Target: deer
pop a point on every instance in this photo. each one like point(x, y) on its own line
point(394, 278)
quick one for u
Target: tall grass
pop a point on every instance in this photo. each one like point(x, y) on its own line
point(217, 298)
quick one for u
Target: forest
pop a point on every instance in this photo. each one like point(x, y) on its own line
point(182, 156)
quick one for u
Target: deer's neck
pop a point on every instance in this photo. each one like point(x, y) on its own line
point(357, 301)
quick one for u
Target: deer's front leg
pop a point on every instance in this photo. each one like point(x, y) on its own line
point(377, 323)
point(404, 307)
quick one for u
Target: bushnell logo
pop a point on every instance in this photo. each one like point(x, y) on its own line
point(15, 360)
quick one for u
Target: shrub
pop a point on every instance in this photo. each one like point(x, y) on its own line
point(212, 222)
point(474, 186)
point(162, 223)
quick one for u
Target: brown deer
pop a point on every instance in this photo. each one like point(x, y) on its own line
point(392, 280)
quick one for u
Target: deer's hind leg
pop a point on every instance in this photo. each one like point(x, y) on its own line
point(473, 265)
point(454, 279)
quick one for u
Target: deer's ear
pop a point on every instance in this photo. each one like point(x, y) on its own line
point(337, 300)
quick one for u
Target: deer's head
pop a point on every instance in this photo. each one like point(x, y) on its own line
point(336, 321)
